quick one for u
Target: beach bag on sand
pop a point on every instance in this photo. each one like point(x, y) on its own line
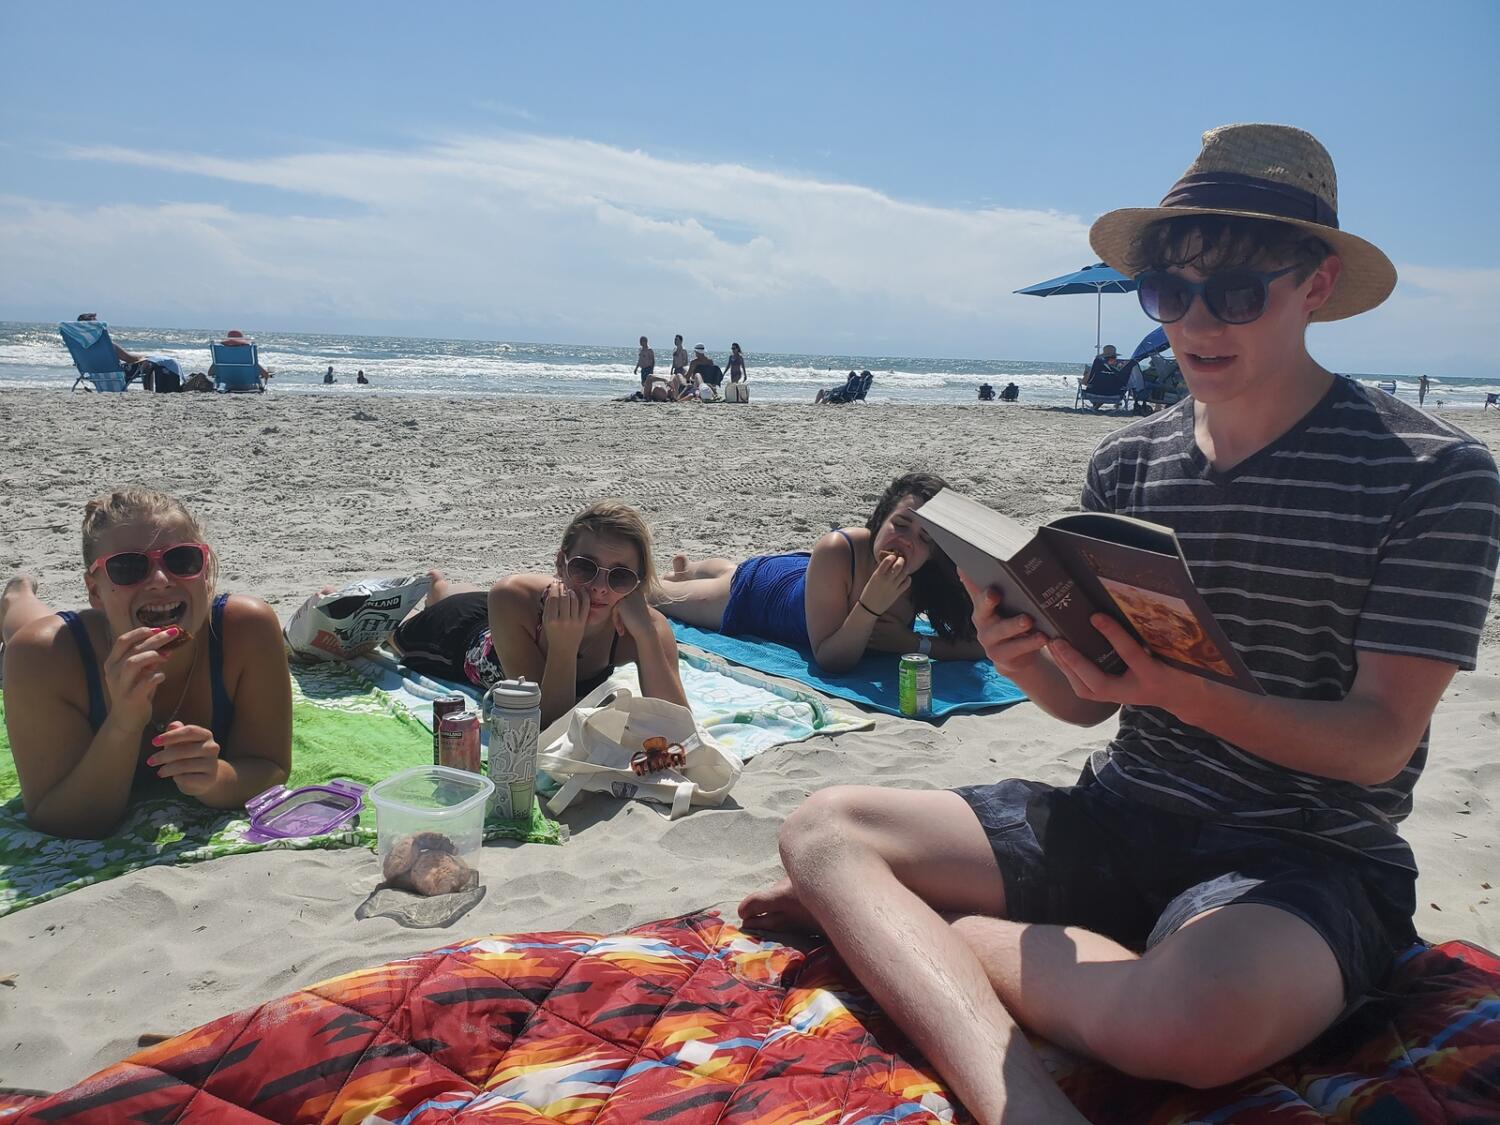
point(595, 754)
point(737, 392)
point(352, 621)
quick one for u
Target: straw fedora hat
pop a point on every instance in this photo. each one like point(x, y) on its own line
point(1261, 172)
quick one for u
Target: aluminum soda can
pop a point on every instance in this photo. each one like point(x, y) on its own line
point(458, 741)
point(515, 710)
point(914, 684)
point(444, 705)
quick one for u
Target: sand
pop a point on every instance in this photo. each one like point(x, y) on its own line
point(299, 491)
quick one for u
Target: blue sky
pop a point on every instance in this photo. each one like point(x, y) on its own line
point(863, 177)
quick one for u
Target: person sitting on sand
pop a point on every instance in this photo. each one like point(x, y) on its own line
point(688, 383)
point(845, 393)
point(567, 630)
point(161, 676)
point(861, 588)
point(1225, 880)
point(706, 372)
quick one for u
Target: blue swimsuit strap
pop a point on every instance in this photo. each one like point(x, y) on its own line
point(849, 541)
point(80, 633)
point(223, 714)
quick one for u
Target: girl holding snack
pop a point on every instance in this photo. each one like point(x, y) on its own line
point(861, 588)
point(567, 630)
point(160, 678)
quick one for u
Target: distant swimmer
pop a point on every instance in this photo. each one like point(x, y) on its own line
point(328, 375)
point(360, 378)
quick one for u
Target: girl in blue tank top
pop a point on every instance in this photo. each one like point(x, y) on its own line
point(859, 589)
point(161, 678)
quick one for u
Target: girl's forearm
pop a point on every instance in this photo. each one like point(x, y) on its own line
point(90, 800)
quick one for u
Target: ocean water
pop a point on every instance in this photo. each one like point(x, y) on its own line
point(32, 355)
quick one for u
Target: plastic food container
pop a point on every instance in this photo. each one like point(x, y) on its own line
point(432, 799)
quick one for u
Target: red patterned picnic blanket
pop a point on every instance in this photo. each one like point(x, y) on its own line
point(691, 1021)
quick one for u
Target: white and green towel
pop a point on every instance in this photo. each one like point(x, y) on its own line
point(745, 711)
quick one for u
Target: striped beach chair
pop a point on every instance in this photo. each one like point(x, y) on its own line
point(93, 354)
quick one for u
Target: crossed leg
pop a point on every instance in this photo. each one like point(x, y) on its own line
point(444, 587)
point(875, 870)
point(686, 570)
point(19, 606)
point(871, 869)
point(698, 591)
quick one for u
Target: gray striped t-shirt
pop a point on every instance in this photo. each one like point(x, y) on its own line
point(1367, 526)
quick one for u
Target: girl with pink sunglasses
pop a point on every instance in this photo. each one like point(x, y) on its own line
point(160, 681)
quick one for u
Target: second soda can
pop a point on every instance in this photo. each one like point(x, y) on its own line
point(444, 705)
point(458, 741)
point(914, 683)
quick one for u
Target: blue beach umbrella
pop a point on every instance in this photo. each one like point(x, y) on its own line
point(1155, 341)
point(1097, 279)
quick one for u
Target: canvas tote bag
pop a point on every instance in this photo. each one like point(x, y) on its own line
point(609, 727)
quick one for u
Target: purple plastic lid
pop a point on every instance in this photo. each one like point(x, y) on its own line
point(280, 813)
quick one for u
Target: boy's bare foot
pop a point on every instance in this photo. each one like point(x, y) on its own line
point(776, 907)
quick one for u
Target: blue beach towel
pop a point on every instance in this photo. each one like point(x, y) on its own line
point(957, 685)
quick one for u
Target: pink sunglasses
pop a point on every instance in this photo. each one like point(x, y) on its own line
point(130, 568)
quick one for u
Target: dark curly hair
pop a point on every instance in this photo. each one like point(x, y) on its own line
point(935, 588)
point(1219, 243)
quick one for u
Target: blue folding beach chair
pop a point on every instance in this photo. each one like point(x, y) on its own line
point(1109, 388)
point(236, 368)
point(854, 389)
point(93, 354)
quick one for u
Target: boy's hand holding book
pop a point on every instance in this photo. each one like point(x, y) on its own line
point(1146, 681)
point(1062, 580)
point(1011, 643)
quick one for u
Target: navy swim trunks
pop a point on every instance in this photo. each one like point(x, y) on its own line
point(1083, 856)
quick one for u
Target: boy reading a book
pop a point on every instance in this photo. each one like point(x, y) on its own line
point(1226, 879)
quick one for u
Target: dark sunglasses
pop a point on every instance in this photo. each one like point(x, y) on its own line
point(130, 568)
point(583, 571)
point(1237, 297)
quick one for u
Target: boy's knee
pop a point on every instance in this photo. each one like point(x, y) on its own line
point(817, 825)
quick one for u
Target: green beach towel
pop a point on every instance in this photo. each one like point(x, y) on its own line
point(341, 727)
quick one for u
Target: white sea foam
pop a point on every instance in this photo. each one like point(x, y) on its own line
point(33, 355)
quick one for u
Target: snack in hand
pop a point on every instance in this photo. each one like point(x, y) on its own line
point(180, 638)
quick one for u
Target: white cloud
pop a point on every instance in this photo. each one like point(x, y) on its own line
point(572, 241)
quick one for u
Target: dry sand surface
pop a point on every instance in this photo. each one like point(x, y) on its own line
point(298, 491)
